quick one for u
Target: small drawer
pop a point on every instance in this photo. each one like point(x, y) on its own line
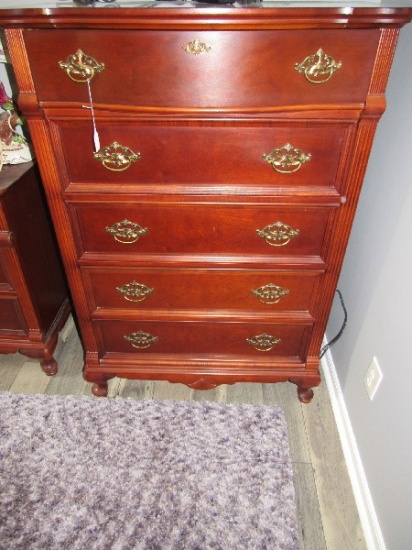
point(286, 155)
point(123, 229)
point(182, 289)
point(11, 318)
point(206, 338)
point(5, 279)
point(205, 69)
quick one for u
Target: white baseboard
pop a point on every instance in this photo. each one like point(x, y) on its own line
point(369, 520)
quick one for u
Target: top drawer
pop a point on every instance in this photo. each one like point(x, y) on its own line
point(204, 69)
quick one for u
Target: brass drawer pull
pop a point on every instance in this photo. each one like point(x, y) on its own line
point(263, 342)
point(134, 292)
point(196, 47)
point(126, 232)
point(270, 294)
point(318, 68)
point(141, 340)
point(81, 67)
point(277, 234)
point(287, 159)
point(116, 157)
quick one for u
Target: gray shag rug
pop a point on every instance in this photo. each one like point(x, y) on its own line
point(86, 473)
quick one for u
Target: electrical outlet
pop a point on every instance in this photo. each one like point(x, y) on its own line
point(373, 378)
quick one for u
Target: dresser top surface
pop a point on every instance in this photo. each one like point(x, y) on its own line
point(185, 4)
point(180, 14)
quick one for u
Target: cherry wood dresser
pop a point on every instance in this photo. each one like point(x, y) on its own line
point(34, 301)
point(202, 167)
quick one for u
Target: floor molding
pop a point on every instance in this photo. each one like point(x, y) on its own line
point(367, 514)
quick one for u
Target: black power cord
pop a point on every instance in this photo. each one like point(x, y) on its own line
point(339, 334)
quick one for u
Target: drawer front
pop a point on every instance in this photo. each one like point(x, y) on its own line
point(201, 229)
point(180, 289)
point(278, 154)
point(11, 318)
point(206, 338)
point(251, 68)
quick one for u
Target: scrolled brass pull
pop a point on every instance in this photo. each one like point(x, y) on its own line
point(116, 157)
point(318, 68)
point(196, 47)
point(141, 340)
point(287, 159)
point(134, 292)
point(263, 342)
point(81, 67)
point(270, 294)
point(126, 232)
point(277, 234)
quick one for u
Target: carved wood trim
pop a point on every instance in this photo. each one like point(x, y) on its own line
point(383, 61)
point(367, 128)
point(19, 60)
point(51, 178)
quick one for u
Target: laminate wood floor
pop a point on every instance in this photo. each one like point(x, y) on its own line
point(328, 518)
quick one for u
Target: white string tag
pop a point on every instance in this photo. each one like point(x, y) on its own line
point(96, 139)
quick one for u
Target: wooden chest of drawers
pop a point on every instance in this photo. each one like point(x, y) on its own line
point(203, 168)
point(34, 301)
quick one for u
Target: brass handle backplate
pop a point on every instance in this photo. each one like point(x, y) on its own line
point(116, 157)
point(134, 292)
point(318, 68)
point(287, 159)
point(81, 67)
point(277, 234)
point(270, 294)
point(126, 232)
point(141, 340)
point(263, 342)
point(196, 47)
